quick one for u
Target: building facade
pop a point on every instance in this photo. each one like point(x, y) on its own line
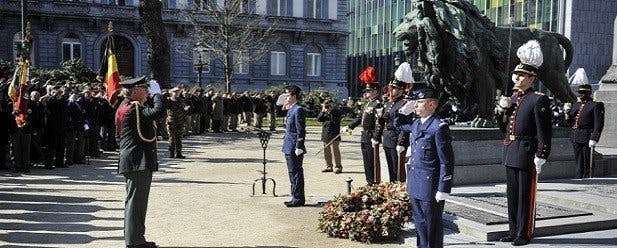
point(309, 49)
point(588, 24)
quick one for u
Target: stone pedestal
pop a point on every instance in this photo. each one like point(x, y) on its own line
point(607, 93)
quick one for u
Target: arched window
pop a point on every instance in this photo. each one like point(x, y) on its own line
point(278, 62)
point(313, 62)
point(71, 47)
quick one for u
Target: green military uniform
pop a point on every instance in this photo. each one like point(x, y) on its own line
point(176, 119)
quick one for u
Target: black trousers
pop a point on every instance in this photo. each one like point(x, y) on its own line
point(392, 159)
point(519, 192)
point(367, 158)
point(582, 154)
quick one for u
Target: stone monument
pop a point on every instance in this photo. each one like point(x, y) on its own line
point(607, 93)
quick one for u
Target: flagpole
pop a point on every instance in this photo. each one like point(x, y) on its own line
point(24, 14)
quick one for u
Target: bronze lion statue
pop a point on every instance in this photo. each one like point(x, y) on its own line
point(465, 55)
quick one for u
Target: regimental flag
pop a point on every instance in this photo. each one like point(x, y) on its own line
point(18, 92)
point(109, 75)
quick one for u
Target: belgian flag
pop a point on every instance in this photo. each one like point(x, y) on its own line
point(18, 91)
point(109, 74)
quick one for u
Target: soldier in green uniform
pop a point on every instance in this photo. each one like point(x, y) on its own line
point(176, 118)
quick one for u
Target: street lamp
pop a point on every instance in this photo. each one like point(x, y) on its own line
point(199, 64)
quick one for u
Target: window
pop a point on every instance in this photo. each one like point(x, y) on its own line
point(277, 63)
point(280, 8)
point(241, 62)
point(314, 9)
point(244, 6)
point(313, 64)
point(201, 57)
point(71, 47)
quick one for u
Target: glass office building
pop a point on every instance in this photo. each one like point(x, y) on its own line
point(588, 24)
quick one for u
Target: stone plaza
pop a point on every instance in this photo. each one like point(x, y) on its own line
point(206, 201)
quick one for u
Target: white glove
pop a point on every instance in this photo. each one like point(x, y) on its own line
point(441, 196)
point(280, 100)
point(592, 143)
point(503, 103)
point(86, 127)
point(539, 162)
point(407, 108)
point(345, 129)
point(400, 149)
point(186, 108)
point(154, 88)
point(299, 151)
point(567, 106)
point(374, 142)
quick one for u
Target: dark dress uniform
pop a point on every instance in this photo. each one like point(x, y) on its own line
point(527, 125)
point(295, 132)
point(138, 159)
point(587, 116)
point(391, 136)
point(368, 121)
point(429, 170)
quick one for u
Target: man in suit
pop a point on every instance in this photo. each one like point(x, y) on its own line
point(525, 117)
point(587, 117)
point(371, 110)
point(293, 144)
point(135, 123)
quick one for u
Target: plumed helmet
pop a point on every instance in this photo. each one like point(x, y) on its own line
point(404, 74)
point(368, 76)
point(531, 58)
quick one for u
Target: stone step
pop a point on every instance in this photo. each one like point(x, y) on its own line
point(549, 227)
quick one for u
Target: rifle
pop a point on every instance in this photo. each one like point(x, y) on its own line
point(376, 164)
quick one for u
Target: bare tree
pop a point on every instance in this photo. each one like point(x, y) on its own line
point(158, 46)
point(227, 30)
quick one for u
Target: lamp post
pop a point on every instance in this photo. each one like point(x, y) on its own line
point(200, 67)
point(199, 63)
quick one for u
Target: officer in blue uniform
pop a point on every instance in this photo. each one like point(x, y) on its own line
point(525, 117)
point(430, 168)
point(136, 130)
point(293, 144)
point(587, 117)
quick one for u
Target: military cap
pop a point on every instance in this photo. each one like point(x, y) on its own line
point(427, 93)
point(370, 86)
point(395, 83)
point(138, 81)
point(584, 88)
point(292, 90)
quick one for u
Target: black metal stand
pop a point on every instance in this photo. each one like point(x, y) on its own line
point(349, 180)
point(263, 139)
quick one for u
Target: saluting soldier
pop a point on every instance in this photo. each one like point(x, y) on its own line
point(587, 118)
point(525, 117)
point(371, 110)
point(135, 122)
point(177, 112)
point(394, 141)
point(430, 168)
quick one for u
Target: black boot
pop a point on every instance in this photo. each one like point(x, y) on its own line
point(171, 153)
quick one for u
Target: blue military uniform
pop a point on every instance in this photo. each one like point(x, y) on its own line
point(295, 132)
point(587, 118)
point(429, 170)
point(527, 125)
